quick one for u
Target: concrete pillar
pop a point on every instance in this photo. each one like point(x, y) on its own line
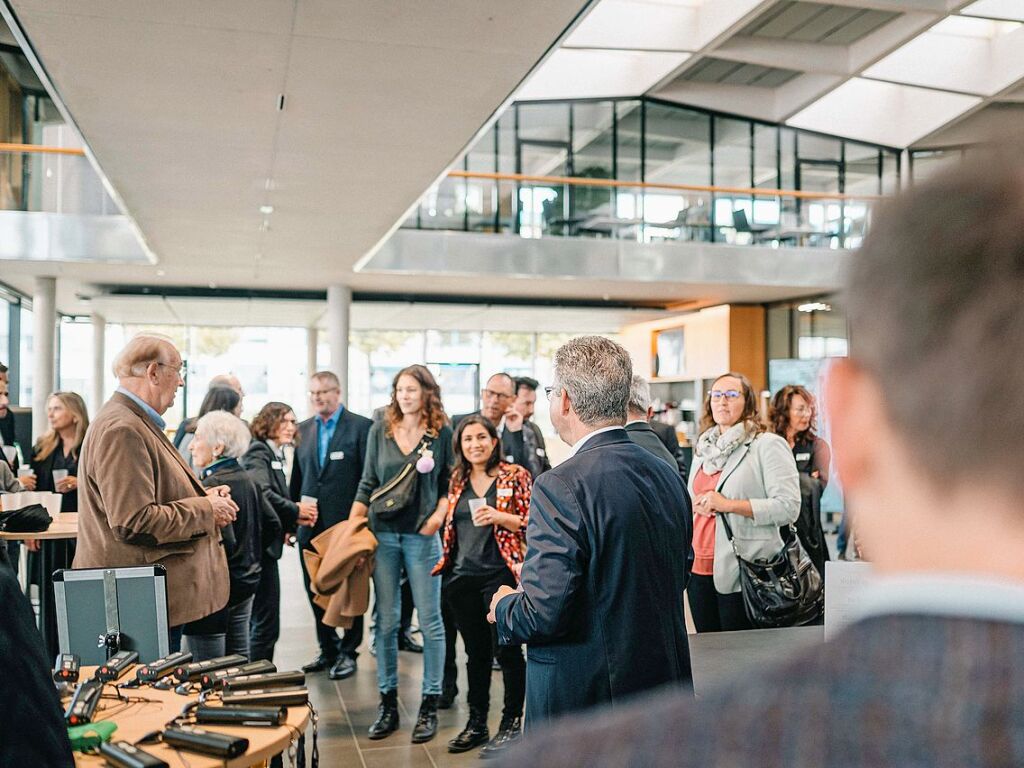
point(44, 359)
point(312, 340)
point(99, 354)
point(339, 307)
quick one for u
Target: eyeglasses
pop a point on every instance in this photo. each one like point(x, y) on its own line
point(176, 368)
point(319, 392)
point(728, 394)
point(490, 393)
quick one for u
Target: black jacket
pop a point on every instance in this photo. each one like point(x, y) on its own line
point(9, 438)
point(265, 469)
point(601, 609)
point(243, 542)
point(334, 485)
point(512, 448)
point(44, 477)
point(32, 727)
point(641, 433)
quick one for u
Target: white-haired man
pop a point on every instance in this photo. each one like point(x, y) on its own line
point(139, 503)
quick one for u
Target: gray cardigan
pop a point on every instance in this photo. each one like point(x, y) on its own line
point(8, 482)
point(762, 470)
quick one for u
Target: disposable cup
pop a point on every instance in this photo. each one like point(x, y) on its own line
point(58, 475)
point(475, 505)
point(23, 471)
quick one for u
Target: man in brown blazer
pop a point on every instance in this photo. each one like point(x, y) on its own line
point(139, 503)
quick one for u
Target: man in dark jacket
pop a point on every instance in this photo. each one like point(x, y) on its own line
point(637, 425)
point(328, 466)
point(932, 671)
point(601, 603)
point(32, 727)
point(496, 400)
point(535, 450)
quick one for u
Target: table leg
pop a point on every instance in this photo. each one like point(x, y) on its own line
point(47, 611)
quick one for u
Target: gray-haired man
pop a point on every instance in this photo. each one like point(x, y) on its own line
point(601, 602)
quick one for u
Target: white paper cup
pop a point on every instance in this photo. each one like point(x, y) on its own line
point(10, 453)
point(474, 507)
point(25, 471)
point(58, 475)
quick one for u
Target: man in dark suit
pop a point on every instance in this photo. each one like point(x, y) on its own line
point(533, 439)
point(601, 600)
point(667, 434)
point(496, 400)
point(328, 465)
point(637, 421)
point(932, 670)
point(7, 437)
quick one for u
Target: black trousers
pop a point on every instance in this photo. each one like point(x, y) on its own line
point(265, 626)
point(712, 611)
point(470, 600)
point(332, 646)
point(451, 636)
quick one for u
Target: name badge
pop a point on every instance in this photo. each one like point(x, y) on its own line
point(504, 492)
point(337, 455)
point(276, 465)
point(541, 452)
point(803, 456)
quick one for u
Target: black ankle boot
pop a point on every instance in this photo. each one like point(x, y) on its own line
point(426, 724)
point(473, 735)
point(508, 734)
point(387, 716)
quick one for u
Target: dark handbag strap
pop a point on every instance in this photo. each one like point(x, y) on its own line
point(724, 517)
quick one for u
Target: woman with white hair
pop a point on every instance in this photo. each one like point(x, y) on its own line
point(220, 440)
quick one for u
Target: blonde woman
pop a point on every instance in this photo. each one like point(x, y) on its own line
point(57, 451)
point(742, 471)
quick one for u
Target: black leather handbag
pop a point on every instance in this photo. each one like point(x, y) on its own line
point(399, 492)
point(784, 591)
point(30, 519)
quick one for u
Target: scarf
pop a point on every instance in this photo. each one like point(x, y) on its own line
point(714, 448)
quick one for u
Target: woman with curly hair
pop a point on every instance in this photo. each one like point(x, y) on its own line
point(403, 490)
point(792, 416)
point(484, 537)
point(746, 473)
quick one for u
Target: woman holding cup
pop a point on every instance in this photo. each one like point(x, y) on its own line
point(484, 538)
point(54, 462)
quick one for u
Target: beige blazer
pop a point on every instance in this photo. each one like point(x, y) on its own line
point(762, 470)
point(339, 586)
point(139, 504)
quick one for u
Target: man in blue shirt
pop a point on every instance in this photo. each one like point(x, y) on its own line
point(329, 455)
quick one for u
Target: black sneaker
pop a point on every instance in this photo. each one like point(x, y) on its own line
point(509, 732)
point(319, 664)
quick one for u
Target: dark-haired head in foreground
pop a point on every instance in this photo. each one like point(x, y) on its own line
point(927, 422)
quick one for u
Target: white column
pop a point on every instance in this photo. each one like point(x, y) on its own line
point(99, 354)
point(312, 340)
point(339, 306)
point(44, 336)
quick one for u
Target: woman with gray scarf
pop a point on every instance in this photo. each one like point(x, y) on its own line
point(742, 471)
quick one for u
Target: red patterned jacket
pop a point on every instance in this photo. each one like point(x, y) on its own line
point(510, 477)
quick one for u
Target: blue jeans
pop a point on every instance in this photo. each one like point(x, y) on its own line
point(419, 554)
point(237, 640)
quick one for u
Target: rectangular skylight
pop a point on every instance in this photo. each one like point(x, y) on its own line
point(572, 73)
point(996, 9)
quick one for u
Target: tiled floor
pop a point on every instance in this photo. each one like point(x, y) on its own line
point(348, 707)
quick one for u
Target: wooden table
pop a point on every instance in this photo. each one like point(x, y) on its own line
point(135, 720)
point(53, 545)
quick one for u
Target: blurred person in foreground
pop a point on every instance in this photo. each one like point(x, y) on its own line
point(138, 502)
point(601, 601)
point(932, 672)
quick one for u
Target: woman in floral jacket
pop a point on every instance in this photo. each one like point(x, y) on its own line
point(484, 538)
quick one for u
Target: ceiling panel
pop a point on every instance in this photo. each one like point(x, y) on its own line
point(818, 22)
point(712, 70)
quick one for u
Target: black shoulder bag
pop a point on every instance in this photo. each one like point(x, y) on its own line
point(399, 492)
point(31, 519)
point(784, 591)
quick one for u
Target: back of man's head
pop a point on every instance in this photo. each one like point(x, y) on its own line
point(141, 350)
point(596, 373)
point(639, 397)
point(936, 312)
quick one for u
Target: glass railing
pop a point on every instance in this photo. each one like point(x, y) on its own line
point(52, 179)
point(555, 206)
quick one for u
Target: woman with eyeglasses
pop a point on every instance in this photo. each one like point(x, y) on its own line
point(742, 471)
point(792, 416)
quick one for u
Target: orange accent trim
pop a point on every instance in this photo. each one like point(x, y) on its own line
point(37, 149)
point(581, 181)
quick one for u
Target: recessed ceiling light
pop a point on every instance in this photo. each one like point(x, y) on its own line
point(266, 210)
point(816, 306)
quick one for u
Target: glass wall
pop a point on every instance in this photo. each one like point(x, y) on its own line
point(659, 143)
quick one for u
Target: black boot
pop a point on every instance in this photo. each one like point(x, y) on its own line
point(449, 690)
point(387, 716)
point(473, 735)
point(426, 724)
point(509, 732)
